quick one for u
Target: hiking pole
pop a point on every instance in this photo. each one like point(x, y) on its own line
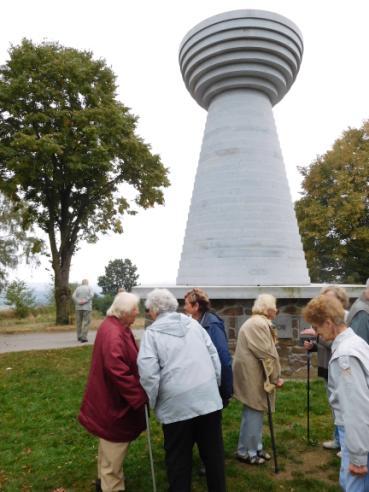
point(150, 449)
point(271, 429)
point(308, 355)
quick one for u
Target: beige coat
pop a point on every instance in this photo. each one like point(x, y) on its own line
point(256, 340)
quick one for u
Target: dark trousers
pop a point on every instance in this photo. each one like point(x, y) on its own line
point(179, 438)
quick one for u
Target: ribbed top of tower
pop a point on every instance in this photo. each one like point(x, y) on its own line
point(250, 49)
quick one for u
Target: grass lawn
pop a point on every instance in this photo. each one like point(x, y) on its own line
point(43, 448)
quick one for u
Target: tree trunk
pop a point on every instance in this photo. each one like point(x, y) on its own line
point(62, 297)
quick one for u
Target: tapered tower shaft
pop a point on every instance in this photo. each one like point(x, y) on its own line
point(241, 227)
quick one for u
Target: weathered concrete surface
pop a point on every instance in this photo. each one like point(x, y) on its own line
point(241, 227)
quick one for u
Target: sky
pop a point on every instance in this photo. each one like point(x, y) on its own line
point(139, 39)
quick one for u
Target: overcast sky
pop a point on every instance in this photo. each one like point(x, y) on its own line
point(139, 39)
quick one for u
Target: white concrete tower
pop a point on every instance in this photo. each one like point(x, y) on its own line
point(241, 228)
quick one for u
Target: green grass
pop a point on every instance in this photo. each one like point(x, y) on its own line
point(43, 448)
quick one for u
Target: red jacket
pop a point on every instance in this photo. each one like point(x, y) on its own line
point(113, 404)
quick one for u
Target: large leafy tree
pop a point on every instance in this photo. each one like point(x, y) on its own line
point(15, 243)
point(333, 213)
point(66, 145)
point(118, 274)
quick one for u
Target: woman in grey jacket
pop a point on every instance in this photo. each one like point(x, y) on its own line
point(180, 371)
point(348, 381)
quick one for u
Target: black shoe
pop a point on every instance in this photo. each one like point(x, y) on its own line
point(98, 485)
point(83, 340)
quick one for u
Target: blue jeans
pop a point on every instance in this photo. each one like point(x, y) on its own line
point(250, 439)
point(349, 482)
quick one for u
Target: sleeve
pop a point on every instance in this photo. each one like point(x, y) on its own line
point(149, 367)
point(74, 296)
point(117, 365)
point(213, 354)
point(262, 346)
point(219, 339)
point(353, 396)
point(360, 325)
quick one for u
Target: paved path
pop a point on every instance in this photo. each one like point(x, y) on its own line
point(19, 342)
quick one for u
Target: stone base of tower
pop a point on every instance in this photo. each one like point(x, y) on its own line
point(234, 303)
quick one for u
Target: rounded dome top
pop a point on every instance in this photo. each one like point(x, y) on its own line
point(241, 49)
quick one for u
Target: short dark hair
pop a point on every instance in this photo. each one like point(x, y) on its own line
point(198, 296)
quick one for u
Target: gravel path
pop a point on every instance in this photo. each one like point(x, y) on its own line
point(20, 342)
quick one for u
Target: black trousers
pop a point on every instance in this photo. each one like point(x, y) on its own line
point(179, 438)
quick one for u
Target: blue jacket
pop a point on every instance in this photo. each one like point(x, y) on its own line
point(216, 331)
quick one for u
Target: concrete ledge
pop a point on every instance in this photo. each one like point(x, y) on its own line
point(250, 291)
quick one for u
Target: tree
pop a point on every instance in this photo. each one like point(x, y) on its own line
point(21, 297)
point(15, 243)
point(333, 213)
point(118, 273)
point(66, 146)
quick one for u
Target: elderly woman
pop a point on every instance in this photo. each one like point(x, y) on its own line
point(323, 348)
point(348, 382)
point(180, 370)
point(113, 405)
point(256, 354)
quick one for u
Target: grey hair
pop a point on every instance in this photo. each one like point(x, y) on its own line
point(85, 281)
point(339, 292)
point(161, 301)
point(123, 303)
point(264, 302)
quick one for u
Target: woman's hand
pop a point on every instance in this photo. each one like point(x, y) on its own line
point(279, 383)
point(308, 345)
point(358, 470)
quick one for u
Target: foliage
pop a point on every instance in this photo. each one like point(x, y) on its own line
point(102, 303)
point(21, 297)
point(333, 213)
point(66, 146)
point(14, 241)
point(50, 384)
point(118, 274)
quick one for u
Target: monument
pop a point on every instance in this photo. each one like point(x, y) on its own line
point(242, 237)
point(241, 227)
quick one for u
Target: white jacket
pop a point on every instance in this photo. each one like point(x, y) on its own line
point(179, 368)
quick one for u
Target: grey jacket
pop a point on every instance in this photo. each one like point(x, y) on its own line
point(82, 298)
point(349, 392)
point(179, 368)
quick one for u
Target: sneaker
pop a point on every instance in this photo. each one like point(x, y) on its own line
point(250, 460)
point(263, 454)
point(331, 445)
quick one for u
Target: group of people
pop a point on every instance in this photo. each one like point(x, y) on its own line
point(183, 370)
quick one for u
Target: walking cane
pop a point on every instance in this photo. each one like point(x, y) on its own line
point(271, 429)
point(308, 355)
point(150, 449)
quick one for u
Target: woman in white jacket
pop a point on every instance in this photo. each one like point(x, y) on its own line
point(180, 371)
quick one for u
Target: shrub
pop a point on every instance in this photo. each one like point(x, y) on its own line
point(20, 297)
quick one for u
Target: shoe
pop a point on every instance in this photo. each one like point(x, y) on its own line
point(83, 340)
point(250, 460)
point(331, 445)
point(339, 454)
point(98, 485)
point(202, 471)
point(263, 454)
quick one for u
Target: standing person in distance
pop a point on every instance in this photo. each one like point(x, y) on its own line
point(256, 342)
point(113, 406)
point(348, 381)
point(197, 305)
point(82, 298)
point(180, 371)
point(358, 317)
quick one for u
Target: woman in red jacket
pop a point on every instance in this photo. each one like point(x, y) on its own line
point(113, 407)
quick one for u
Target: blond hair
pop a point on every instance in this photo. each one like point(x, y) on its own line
point(339, 292)
point(263, 303)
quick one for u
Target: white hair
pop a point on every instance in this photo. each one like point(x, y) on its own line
point(123, 302)
point(161, 301)
point(264, 302)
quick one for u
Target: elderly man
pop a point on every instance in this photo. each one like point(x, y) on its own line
point(358, 317)
point(82, 298)
point(113, 407)
point(180, 371)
